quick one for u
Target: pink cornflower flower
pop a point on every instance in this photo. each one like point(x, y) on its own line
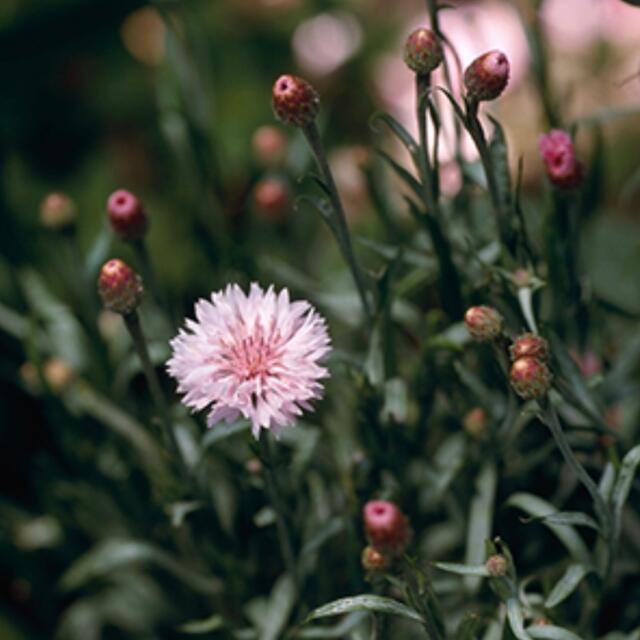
point(558, 153)
point(254, 355)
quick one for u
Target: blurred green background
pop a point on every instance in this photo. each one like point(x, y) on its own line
point(165, 100)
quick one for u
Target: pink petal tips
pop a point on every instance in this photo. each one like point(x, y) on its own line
point(254, 355)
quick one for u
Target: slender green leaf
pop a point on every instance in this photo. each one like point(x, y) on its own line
point(567, 584)
point(468, 628)
point(196, 627)
point(516, 619)
point(367, 602)
point(279, 608)
point(401, 133)
point(622, 486)
point(463, 569)
point(480, 520)
point(539, 508)
point(404, 174)
point(500, 160)
point(551, 632)
point(575, 518)
point(339, 630)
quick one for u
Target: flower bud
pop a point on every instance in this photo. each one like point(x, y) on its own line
point(269, 146)
point(57, 211)
point(271, 198)
point(558, 153)
point(487, 76)
point(423, 51)
point(373, 561)
point(530, 378)
point(475, 422)
point(387, 528)
point(126, 215)
point(119, 287)
point(529, 345)
point(541, 622)
point(483, 323)
point(294, 101)
point(497, 566)
point(58, 374)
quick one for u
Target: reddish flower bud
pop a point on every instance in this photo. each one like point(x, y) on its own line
point(475, 422)
point(531, 345)
point(57, 210)
point(269, 146)
point(387, 528)
point(558, 153)
point(373, 561)
point(126, 215)
point(483, 323)
point(541, 622)
point(119, 287)
point(271, 198)
point(294, 101)
point(497, 566)
point(530, 378)
point(423, 51)
point(487, 76)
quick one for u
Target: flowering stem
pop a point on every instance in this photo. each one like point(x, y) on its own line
point(449, 280)
point(284, 536)
point(341, 229)
point(477, 134)
point(132, 322)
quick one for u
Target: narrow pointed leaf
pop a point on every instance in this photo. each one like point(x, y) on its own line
point(463, 569)
point(622, 486)
point(551, 632)
point(567, 584)
point(516, 620)
point(368, 602)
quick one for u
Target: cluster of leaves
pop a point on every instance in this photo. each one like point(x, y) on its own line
point(112, 539)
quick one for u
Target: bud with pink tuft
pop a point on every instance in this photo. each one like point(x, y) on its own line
point(530, 378)
point(558, 153)
point(423, 51)
point(120, 287)
point(483, 323)
point(387, 528)
point(294, 101)
point(529, 345)
point(126, 215)
point(487, 76)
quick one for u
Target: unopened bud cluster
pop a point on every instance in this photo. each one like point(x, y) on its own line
point(484, 323)
point(423, 51)
point(295, 101)
point(119, 287)
point(126, 215)
point(388, 533)
point(558, 154)
point(487, 76)
point(530, 375)
point(497, 566)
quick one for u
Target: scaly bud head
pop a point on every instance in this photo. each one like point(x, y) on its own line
point(126, 215)
point(531, 345)
point(487, 76)
point(294, 101)
point(497, 566)
point(423, 51)
point(120, 287)
point(387, 528)
point(530, 378)
point(483, 323)
point(57, 211)
point(373, 561)
point(558, 153)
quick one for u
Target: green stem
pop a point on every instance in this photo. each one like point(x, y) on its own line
point(450, 289)
point(476, 132)
point(341, 229)
point(550, 418)
point(132, 322)
point(284, 536)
